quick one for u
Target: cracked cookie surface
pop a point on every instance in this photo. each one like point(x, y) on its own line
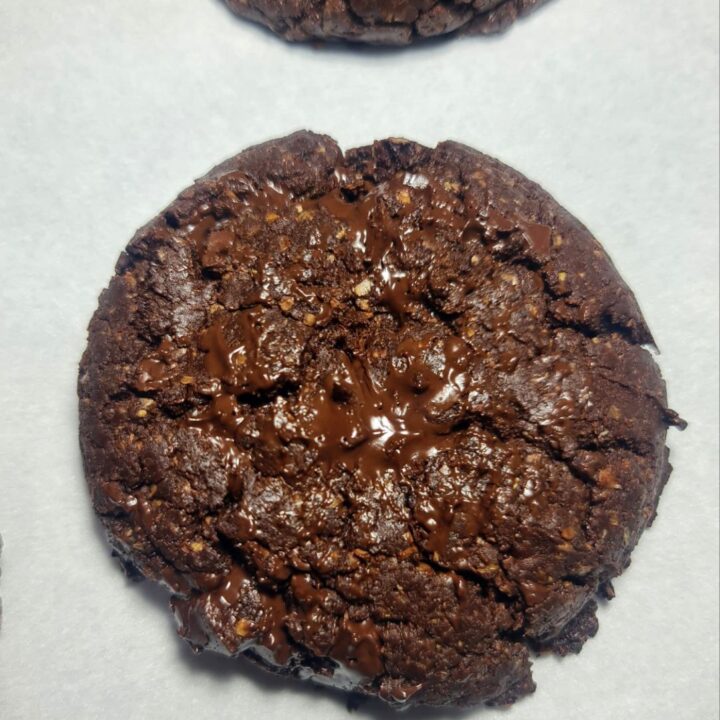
point(382, 22)
point(381, 419)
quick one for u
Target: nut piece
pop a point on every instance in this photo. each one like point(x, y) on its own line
point(145, 405)
point(403, 197)
point(286, 304)
point(363, 288)
point(303, 214)
point(243, 628)
point(309, 319)
point(607, 479)
point(614, 412)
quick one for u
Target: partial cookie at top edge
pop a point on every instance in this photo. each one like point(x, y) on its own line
point(382, 22)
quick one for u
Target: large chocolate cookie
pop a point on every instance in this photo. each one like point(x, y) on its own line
point(385, 22)
point(382, 419)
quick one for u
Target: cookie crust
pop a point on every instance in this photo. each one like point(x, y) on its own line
point(382, 419)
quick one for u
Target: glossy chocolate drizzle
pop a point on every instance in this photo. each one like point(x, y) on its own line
point(355, 417)
point(351, 419)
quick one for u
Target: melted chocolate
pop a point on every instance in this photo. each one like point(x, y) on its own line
point(356, 418)
point(372, 421)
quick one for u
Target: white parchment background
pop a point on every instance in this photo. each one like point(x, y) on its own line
point(108, 109)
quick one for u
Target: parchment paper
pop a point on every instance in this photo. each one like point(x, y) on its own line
point(108, 109)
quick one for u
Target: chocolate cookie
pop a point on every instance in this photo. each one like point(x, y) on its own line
point(383, 22)
point(383, 419)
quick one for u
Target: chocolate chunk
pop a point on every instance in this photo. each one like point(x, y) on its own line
point(382, 22)
point(381, 419)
